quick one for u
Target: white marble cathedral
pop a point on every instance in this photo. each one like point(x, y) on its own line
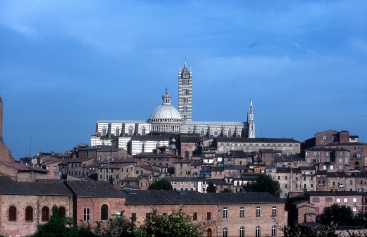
point(167, 119)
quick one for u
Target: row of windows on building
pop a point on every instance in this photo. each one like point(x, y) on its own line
point(130, 131)
point(242, 231)
point(242, 212)
point(318, 153)
point(45, 213)
point(256, 144)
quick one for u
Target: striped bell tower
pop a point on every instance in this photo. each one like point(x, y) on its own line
point(185, 93)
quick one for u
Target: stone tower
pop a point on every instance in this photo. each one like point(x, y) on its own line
point(185, 93)
point(5, 154)
point(251, 122)
point(1, 117)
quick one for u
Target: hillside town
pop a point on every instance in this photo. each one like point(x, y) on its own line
point(125, 157)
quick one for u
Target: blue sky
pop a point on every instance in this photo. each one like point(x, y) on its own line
point(66, 64)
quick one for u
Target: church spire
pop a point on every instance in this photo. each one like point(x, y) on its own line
point(251, 122)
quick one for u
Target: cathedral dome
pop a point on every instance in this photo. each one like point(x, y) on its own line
point(165, 112)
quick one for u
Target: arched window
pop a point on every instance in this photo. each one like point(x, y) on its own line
point(104, 212)
point(130, 133)
point(209, 232)
point(225, 232)
point(202, 132)
point(143, 131)
point(45, 214)
point(189, 130)
point(117, 131)
point(229, 132)
point(62, 212)
point(215, 132)
point(242, 231)
point(29, 213)
point(12, 213)
point(258, 231)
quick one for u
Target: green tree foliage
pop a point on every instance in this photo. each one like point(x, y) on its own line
point(265, 183)
point(176, 224)
point(161, 185)
point(226, 190)
point(340, 215)
point(61, 227)
point(117, 225)
point(211, 188)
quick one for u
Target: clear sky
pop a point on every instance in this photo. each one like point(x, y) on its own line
point(66, 64)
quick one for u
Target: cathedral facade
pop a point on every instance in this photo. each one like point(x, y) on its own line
point(167, 119)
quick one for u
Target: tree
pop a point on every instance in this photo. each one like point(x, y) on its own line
point(117, 225)
point(265, 183)
point(226, 190)
point(340, 215)
point(161, 185)
point(61, 227)
point(175, 224)
point(211, 188)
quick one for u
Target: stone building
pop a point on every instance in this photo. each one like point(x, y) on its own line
point(222, 214)
point(286, 146)
point(5, 154)
point(25, 205)
point(354, 155)
point(166, 118)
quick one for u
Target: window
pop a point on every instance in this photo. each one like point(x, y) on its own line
point(345, 199)
point(258, 212)
point(62, 212)
point(86, 214)
point(242, 231)
point(104, 212)
point(12, 213)
point(195, 216)
point(258, 231)
point(338, 200)
point(274, 211)
point(286, 177)
point(147, 216)
point(285, 185)
point(45, 214)
point(225, 212)
point(273, 231)
point(208, 216)
point(133, 217)
point(242, 212)
point(29, 213)
point(354, 199)
point(225, 232)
